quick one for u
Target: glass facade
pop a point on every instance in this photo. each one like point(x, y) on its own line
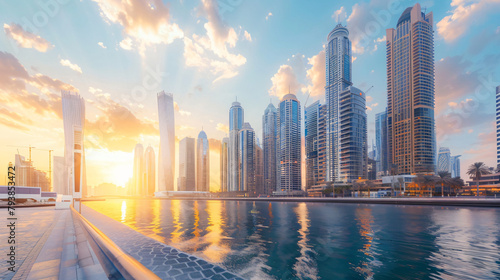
point(410, 93)
point(315, 143)
point(289, 139)
point(381, 143)
point(236, 117)
point(246, 154)
point(269, 143)
point(166, 158)
point(202, 163)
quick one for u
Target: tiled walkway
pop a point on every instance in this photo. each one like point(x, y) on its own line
point(165, 261)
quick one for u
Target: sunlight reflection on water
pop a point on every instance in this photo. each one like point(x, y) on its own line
point(285, 240)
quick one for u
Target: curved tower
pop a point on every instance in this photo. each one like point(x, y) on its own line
point(202, 163)
point(166, 158)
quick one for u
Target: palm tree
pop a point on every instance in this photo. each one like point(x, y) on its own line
point(476, 171)
point(443, 178)
point(369, 185)
point(457, 183)
point(357, 185)
point(425, 182)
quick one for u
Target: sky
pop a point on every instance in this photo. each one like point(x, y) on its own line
point(119, 54)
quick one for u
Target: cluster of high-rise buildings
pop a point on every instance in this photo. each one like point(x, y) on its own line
point(335, 138)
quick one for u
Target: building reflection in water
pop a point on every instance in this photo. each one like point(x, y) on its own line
point(364, 219)
point(305, 266)
point(466, 242)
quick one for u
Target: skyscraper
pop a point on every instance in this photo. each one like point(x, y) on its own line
point(149, 171)
point(455, 166)
point(338, 78)
point(236, 116)
point(58, 181)
point(410, 93)
point(166, 158)
point(73, 107)
point(498, 124)
point(346, 130)
point(187, 166)
point(444, 160)
point(289, 139)
point(269, 143)
point(202, 163)
point(246, 155)
point(259, 170)
point(138, 187)
point(381, 143)
point(315, 143)
point(223, 164)
point(353, 142)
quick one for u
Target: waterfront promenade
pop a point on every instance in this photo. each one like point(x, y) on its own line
point(165, 261)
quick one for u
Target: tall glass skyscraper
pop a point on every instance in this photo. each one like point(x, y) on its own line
point(346, 132)
point(410, 93)
point(269, 143)
point(187, 165)
point(202, 163)
point(315, 143)
point(338, 78)
point(166, 158)
point(138, 188)
point(289, 149)
point(149, 171)
point(74, 174)
point(381, 143)
point(246, 155)
point(444, 160)
point(236, 116)
point(455, 166)
point(259, 169)
point(223, 164)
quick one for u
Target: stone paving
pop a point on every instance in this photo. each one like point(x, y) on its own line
point(165, 261)
point(33, 226)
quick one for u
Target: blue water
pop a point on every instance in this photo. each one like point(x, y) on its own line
point(289, 240)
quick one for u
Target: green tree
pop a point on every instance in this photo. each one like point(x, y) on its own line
point(476, 171)
point(443, 178)
point(457, 183)
point(357, 186)
point(425, 182)
point(328, 189)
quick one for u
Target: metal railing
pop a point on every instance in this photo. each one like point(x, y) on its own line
point(116, 263)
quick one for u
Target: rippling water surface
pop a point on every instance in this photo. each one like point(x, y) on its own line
point(289, 240)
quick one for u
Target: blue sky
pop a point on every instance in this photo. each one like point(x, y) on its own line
point(118, 55)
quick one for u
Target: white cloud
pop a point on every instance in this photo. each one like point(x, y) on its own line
point(211, 51)
point(184, 113)
point(464, 14)
point(146, 23)
point(284, 81)
point(126, 44)
point(74, 67)
point(316, 74)
point(269, 15)
point(339, 15)
point(222, 127)
point(248, 37)
point(26, 39)
point(101, 44)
